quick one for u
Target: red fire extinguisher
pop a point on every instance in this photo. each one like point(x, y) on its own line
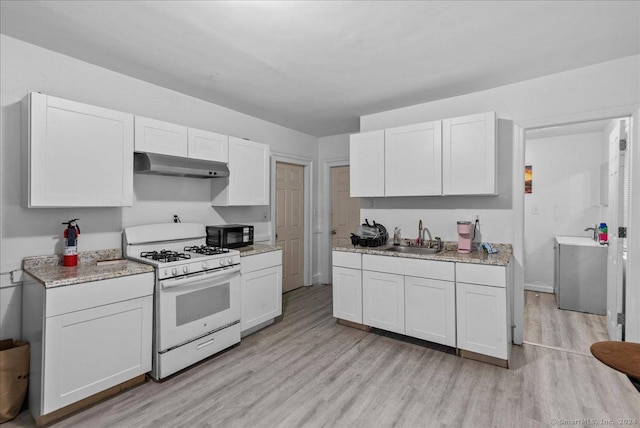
point(70, 255)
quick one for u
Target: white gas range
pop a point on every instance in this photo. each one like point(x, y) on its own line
point(197, 294)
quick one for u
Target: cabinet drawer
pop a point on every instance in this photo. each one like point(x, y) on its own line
point(348, 260)
point(412, 267)
point(87, 295)
point(260, 261)
point(495, 276)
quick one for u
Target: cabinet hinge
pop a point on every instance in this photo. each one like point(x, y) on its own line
point(623, 145)
point(622, 232)
point(620, 319)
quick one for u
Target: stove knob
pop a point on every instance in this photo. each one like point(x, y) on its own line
point(185, 269)
point(174, 271)
point(221, 262)
point(204, 265)
point(229, 260)
point(166, 272)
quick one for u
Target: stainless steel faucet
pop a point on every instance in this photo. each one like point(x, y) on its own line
point(595, 232)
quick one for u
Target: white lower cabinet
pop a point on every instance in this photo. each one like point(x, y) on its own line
point(383, 301)
point(260, 290)
point(430, 310)
point(347, 294)
point(85, 338)
point(483, 310)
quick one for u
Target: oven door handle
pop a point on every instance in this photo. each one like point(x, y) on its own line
point(199, 277)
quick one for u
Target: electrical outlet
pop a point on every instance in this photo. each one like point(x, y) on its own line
point(535, 209)
point(476, 219)
point(265, 216)
point(372, 203)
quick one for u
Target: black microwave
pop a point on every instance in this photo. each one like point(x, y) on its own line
point(230, 235)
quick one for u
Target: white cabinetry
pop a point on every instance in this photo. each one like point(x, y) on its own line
point(86, 338)
point(260, 290)
point(248, 181)
point(77, 155)
point(157, 136)
point(366, 154)
point(413, 160)
point(430, 310)
point(483, 309)
point(383, 301)
point(347, 286)
point(469, 155)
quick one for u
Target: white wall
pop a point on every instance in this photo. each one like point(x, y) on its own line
point(565, 198)
point(29, 232)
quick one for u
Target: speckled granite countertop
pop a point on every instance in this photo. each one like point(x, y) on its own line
point(449, 254)
point(48, 270)
point(254, 249)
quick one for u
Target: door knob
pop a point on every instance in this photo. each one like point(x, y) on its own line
point(333, 232)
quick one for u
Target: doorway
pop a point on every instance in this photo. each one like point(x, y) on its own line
point(574, 183)
point(289, 225)
point(345, 210)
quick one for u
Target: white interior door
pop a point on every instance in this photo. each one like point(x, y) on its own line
point(345, 210)
point(290, 223)
point(615, 278)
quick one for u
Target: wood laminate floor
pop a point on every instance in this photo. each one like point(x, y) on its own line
point(547, 325)
point(309, 371)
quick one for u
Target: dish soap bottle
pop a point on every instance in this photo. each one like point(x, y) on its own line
point(603, 235)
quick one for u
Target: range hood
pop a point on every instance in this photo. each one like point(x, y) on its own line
point(152, 163)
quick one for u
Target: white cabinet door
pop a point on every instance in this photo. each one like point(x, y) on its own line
point(207, 145)
point(469, 155)
point(78, 155)
point(94, 349)
point(383, 301)
point(366, 156)
point(482, 320)
point(156, 136)
point(261, 296)
point(413, 156)
point(347, 294)
point(430, 310)
point(248, 181)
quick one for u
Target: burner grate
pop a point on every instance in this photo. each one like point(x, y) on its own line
point(164, 256)
point(205, 250)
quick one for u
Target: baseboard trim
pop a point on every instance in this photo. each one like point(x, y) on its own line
point(539, 288)
point(484, 358)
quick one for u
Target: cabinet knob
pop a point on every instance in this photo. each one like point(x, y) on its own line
point(333, 232)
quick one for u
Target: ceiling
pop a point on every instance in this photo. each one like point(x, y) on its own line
point(317, 66)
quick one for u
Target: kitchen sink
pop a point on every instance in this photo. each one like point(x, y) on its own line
point(413, 250)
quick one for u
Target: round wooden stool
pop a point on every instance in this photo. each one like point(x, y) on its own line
point(622, 356)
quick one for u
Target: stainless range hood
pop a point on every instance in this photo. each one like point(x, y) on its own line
point(153, 163)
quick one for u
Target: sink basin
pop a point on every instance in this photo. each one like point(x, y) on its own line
point(413, 250)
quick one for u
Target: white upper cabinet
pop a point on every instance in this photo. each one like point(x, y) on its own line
point(156, 136)
point(469, 155)
point(413, 160)
point(248, 181)
point(207, 145)
point(367, 172)
point(77, 155)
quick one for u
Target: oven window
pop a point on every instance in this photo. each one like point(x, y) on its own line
point(202, 303)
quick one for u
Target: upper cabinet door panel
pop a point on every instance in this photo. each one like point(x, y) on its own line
point(208, 145)
point(156, 136)
point(248, 172)
point(413, 157)
point(78, 155)
point(469, 155)
point(366, 154)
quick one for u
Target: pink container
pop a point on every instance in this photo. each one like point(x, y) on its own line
point(464, 236)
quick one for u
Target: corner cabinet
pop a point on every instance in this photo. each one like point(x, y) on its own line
point(77, 155)
point(469, 155)
point(260, 290)
point(366, 154)
point(248, 181)
point(85, 338)
point(157, 136)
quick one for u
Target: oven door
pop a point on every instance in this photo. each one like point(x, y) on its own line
point(194, 305)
